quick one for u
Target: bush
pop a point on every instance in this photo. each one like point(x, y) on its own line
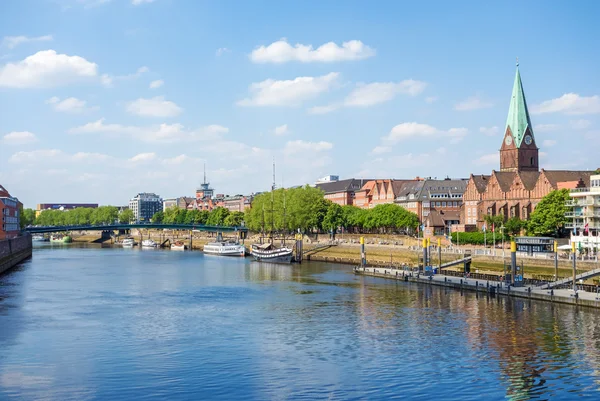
point(477, 238)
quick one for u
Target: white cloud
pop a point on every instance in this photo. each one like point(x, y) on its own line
point(163, 133)
point(143, 157)
point(378, 150)
point(431, 99)
point(289, 92)
point(69, 105)
point(153, 107)
point(489, 159)
point(222, 50)
point(47, 69)
point(378, 92)
point(548, 143)
point(365, 95)
point(409, 130)
point(546, 127)
point(323, 109)
point(90, 157)
point(36, 156)
point(156, 84)
point(300, 146)
point(138, 2)
point(19, 137)
point(177, 160)
point(489, 131)
point(281, 130)
point(109, 80)
point(282, 52)
point(473, 103)
point(13, 41)
point(569, 103)
point(580, 124)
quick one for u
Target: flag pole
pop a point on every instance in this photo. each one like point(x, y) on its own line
point(494, 236)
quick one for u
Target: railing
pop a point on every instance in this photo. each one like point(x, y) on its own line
point(574, 214)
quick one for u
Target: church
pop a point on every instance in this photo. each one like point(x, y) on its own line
point(520, 184)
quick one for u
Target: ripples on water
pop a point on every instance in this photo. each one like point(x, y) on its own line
point(121, 324)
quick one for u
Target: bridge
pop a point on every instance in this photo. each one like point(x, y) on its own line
point(118, 226)
point(565, 281)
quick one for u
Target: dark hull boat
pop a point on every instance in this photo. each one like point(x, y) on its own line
point(269, 253)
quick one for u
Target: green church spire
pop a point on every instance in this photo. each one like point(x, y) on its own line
point(518, 115)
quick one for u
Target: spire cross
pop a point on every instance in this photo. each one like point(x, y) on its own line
point(517, 61)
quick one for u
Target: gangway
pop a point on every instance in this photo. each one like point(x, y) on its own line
point(318, 248)
point(582, 276)
point(462, 261)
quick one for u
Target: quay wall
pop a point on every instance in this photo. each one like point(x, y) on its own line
point(493, 288)
point(14, 251)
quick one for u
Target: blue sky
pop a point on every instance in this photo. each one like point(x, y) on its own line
point(101, 99)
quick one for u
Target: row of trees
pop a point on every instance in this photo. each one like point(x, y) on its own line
point(219, 216)
point(306, 209)
point(81, 216)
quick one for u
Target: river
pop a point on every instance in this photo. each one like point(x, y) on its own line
point(91, 323)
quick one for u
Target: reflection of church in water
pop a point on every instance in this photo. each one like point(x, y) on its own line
point(519, 185)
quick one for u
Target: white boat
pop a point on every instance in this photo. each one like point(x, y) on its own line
point(128, 243)
point(269, 253)
point(148, 243)
point(178, 246)
point(39, 238)
point(223, 248)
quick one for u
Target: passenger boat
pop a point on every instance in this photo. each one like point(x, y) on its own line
point(270, 253)
point(225, 248)
point(39, 238)
point(61, 239)
point(148, 243)
point(178, 246)
point(128, 243)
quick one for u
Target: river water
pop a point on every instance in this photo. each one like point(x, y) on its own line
point(90, 323)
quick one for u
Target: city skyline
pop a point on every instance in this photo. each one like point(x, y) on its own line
point(142, 102)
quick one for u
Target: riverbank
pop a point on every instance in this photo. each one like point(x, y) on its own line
point(563, 296)
point(14, 251)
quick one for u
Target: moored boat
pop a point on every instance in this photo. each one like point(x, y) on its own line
point(270, 253)
point(225, 248)
point(61, 239)
point(148, 243)
point(128, 243)
point(178, 246)
point(39, 238)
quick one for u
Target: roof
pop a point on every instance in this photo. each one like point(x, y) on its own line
point(481, 181)
point(350, 184)
point(3, 192)
point(438, 218)
point(518, 115)
point(556, 176)
point(529, 179)
point(505, 179)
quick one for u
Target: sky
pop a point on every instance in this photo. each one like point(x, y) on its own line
point(102, 99)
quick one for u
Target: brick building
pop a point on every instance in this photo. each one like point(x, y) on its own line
point(237, 203)
point(342, 192)
point(518, 187)
point(9, 210)
point(378, 192)
point(437, 203)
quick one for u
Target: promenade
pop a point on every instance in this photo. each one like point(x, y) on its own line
point(564, 296)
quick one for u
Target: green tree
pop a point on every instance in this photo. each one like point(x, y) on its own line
point(234, 219)
point(217, 216)
point(548, 218)
point(126, 216)
point(170, 215)
point(493, 221)
point(26, 217)
point(513, 226)
point(334, 217)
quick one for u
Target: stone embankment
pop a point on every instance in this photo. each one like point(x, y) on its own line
point(14, 251)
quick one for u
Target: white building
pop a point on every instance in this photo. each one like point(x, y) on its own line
point(144, 205)
point(583, 213)
point(328, 178)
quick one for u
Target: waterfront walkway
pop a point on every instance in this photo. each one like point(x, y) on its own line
point(566, 296)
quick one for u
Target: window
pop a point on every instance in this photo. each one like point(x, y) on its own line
point(532, 161)
point(443, 204)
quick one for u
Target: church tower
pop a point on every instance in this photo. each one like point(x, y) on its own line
point(519, 151)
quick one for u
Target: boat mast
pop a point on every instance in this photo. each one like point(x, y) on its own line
point(272, 203)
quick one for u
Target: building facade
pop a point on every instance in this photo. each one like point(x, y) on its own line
point(236, 203)
point(10, 211)
point(182, 202)
point(144, 205)
point(342, 192)
point(437, 203)
point(378, 192)
point(520, 185)
point(583, 214)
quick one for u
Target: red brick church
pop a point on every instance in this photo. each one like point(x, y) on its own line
point(517, 188)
